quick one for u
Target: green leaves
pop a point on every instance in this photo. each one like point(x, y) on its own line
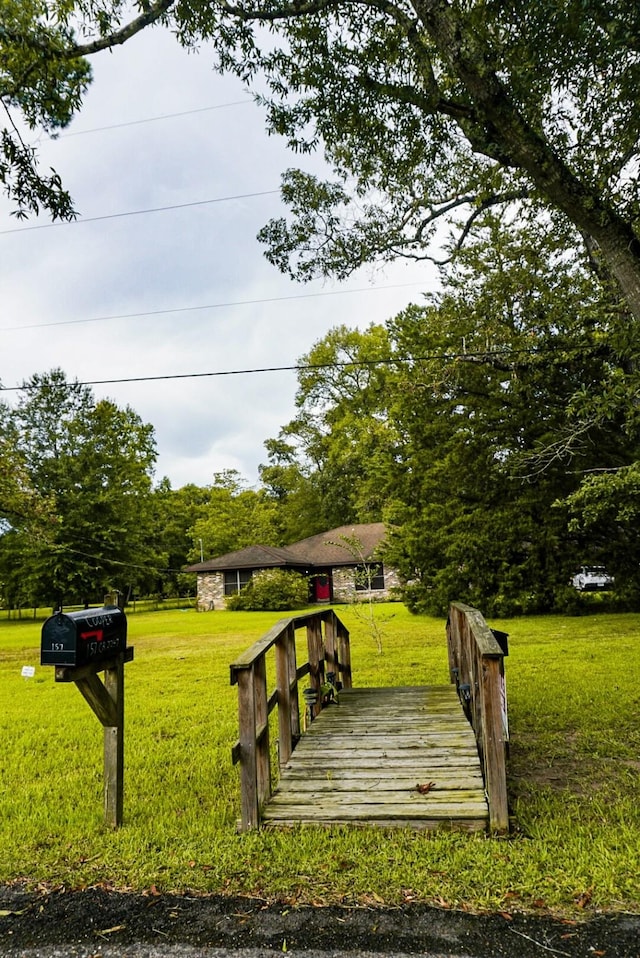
point(91, 464)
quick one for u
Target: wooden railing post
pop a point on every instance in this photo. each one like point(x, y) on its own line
point(250, 812)
point(293, 674)
point(493, 745)
point(476, 661)
point(316, 661)
point(263, 757)
point(331, 660)
point(287, 686)
point(344, 656)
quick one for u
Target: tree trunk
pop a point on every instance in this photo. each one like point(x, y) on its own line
point(500, 131)
point(621, 256)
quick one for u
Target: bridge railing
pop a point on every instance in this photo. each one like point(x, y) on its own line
point(328, 652)
point(476, 661)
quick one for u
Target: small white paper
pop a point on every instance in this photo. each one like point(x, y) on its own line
point(28, 671)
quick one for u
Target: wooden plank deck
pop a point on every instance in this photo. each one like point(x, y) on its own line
point(362, 762)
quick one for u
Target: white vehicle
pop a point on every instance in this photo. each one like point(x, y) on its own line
point(592, 578)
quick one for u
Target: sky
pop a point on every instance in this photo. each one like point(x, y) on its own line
point(176, 291)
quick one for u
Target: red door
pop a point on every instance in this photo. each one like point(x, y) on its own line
point(322, 588)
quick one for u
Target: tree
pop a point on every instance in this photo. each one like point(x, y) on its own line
point(175, 513)
point(424, 108)
point(44, 75)
point(466, 424)
point(494, 440)
point(93, 462)
point(235, 517)
point(605, 510)
point(293, 489)
point(341, 434)
point(20, 503)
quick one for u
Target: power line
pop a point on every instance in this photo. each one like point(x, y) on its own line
point(63, 550)
point(467, 355)
point(154, 209)
point(152, 119)
point(224, 305)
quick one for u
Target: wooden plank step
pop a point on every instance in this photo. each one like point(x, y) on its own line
point(361, 762)
point(362, 811)
point(328, 755)
point(391, 725)
point(409, 797)
point(405, 783)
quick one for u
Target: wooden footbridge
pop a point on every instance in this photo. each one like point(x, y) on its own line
point(421, 757)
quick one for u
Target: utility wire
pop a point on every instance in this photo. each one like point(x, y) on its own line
point(154, 209)
point(298, 367)
point(190, 309)
point(152, 119)
point(62, 550)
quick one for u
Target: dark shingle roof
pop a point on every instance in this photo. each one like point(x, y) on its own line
point(346, 545)
point(252, 557)
point(330, 548)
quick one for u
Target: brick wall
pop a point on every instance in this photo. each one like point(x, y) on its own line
point(210, 591)
point(344, 585)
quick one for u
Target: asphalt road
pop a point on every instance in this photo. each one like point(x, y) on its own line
point(96, 923)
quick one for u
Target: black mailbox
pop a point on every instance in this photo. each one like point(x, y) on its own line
point(82, 638)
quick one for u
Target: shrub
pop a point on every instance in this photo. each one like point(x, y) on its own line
point(272, 590)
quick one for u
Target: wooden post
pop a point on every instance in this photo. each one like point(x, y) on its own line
point(494, 746)
point(114, 748)
point(330, 647)
point(286, 684)
point(293, 678)
point(479, 661)
point(106, 700)
point(263, 759)
point(344, 656)
point(250, 815)
point(316, 661)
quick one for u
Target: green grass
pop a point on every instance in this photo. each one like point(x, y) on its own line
point(574, 772)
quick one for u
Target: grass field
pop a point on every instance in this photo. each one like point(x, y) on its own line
point(574, 704)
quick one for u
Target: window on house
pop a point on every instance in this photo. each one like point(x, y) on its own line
point(370, 576)
point(235, 580)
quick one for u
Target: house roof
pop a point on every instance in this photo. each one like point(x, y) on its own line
point(346, 545)
point(251, 557)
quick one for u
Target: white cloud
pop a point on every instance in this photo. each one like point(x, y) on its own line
point(191, 257)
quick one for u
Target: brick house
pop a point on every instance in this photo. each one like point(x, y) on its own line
point(338, 563)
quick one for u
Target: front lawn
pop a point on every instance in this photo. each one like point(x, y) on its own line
point(574, 772)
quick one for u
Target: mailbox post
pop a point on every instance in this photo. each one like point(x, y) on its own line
point(80, 645)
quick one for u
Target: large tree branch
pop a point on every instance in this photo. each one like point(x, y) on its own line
point(151, 15)
point(44, 46)
point(287, 11)
point(501, 131)
point(498, 199)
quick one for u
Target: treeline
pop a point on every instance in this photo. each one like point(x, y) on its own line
point(494, 428)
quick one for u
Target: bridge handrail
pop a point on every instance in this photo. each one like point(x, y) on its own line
point(476, 661)
point(327, 651)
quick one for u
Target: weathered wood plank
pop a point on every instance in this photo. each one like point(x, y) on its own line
point(362, 761)
point(423, 824)
point(401, 783)
point(390, 744)
point(409, 797)
point(392, 761)
point(363, 812)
